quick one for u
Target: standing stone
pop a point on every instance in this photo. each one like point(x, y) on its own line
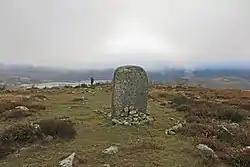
point(130, 89)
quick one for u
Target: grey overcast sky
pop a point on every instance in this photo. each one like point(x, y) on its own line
point(106, 33)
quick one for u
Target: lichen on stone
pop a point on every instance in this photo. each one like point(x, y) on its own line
point(130, 89)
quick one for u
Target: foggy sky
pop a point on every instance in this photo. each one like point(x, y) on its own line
point(106, 33)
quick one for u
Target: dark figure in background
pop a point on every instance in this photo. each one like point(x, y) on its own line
point(91, 80)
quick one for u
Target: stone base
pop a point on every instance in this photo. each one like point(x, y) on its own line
point(130, 116)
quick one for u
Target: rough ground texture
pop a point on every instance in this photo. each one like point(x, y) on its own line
point(132, 146)
point(130, 88)
point(131, 116)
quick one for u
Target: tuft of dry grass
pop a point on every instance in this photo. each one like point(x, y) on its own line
point(5, 150)
point(232, 113)
point(240, 160)
point(15, 114)
point(20, 134)
point(58, 128)
point(9, 105)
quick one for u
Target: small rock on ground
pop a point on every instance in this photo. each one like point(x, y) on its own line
point(174, 129)
point(67, 162)
point(111, 150)
point(106, 165)
point(22, 108)
point(206, 151)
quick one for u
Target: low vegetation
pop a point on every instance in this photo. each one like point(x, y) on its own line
point(20, 135)
point(214, 119)
point(53, 123)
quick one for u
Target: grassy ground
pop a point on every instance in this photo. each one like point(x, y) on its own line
point(143, 146)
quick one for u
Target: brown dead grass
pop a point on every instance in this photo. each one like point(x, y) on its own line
point(138, 146)
point(58, 128)
point(143, 146)
point(204, 115)
point(18, 135)
point(11, 104)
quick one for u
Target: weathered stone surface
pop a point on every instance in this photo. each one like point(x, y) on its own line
point(67, 162)
point(130, 88)
point(111, 150)
point(175, 129)
point(132, 118)
point(206, 151)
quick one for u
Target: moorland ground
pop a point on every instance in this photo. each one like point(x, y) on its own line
point(139, 146)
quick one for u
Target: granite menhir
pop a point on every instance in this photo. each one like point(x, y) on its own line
point(130, 90)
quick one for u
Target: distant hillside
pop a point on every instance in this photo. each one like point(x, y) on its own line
point(236, 78)
point(241, 73)
point(41, 73)
point(220, 82)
